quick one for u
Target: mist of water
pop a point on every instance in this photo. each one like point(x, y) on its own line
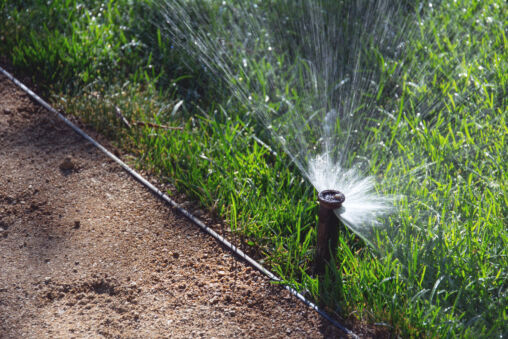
point(314, 73)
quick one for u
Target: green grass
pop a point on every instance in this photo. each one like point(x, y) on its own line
point(441, 267)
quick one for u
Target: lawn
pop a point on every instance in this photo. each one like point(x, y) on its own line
point(430, 133)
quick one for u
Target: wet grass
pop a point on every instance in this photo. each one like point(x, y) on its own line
point(441, 269)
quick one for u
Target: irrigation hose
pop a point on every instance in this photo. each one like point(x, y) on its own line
point(176, 206)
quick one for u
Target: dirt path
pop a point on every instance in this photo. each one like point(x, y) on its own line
point(86, 251)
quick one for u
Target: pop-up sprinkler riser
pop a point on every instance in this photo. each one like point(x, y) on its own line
point(328, 228)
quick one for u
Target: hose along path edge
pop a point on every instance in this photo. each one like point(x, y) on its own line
point(176, 206)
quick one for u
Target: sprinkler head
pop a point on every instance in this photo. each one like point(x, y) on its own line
point(328, 228)
point(331, 199)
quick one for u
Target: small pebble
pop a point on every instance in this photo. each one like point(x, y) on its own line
point(199, 213)
point(67, 164)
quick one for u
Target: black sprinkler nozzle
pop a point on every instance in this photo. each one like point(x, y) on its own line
point(328, 228)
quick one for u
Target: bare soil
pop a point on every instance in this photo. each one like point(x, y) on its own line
point(87, 252)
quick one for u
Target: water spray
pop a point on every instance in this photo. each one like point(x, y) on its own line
point(328, 228)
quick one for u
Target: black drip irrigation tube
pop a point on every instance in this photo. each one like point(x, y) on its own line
point(176, 206)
